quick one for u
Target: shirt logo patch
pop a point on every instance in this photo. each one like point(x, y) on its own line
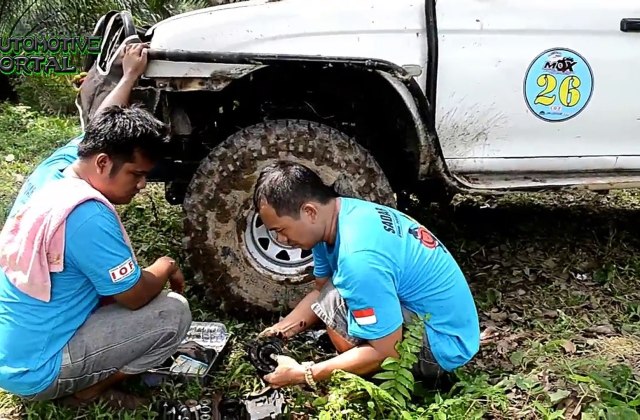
point(123, 270)
point(424, 236)
point(365, 316)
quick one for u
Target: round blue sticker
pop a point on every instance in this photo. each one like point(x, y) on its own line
point(558, 85)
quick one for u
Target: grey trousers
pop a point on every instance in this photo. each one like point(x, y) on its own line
point(333, 311)
point(114, 339)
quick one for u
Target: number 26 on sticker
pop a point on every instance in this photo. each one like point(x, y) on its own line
point(568, 93)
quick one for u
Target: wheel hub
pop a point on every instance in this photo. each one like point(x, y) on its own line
point(266, 251)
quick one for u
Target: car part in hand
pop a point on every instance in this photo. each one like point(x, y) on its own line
point(261, 354)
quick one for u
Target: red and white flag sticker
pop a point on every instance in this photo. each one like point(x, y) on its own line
point(365, 316)
point(121, 271)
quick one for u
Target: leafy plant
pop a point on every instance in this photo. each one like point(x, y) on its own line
point(353, 396)
point(548, 413)
point(614, 389)
point(49, 93)
point(350, 396)
point(397, 376)
point(79, 17)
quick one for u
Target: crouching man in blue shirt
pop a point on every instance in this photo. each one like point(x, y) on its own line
point(376, 269)
point(71, 347)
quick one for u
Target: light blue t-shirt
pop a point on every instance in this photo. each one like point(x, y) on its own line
point(383, 260)
point(33, 333)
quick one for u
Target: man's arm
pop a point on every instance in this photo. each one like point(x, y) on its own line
point(96, 246)
point(134, 64)
point(360, 360)
point(365, 282)
point(302, 316)
point(151, 282)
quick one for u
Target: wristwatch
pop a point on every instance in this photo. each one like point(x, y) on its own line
point(308, 374)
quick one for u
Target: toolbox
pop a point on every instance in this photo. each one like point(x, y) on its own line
point(197, 355)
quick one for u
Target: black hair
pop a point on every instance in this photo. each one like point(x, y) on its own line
point(119, 132)
point(286, 186)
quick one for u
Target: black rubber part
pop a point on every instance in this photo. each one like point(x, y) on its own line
point(232, 409)
point(260, 354)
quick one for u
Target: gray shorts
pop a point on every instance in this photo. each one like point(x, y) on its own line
point(114, 339)
point(332, 310)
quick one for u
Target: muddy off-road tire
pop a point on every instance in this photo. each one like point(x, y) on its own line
point(229, 249)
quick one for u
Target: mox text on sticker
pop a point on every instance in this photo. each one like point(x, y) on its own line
point(123, 270)
point(365, 316)
point(558, 85)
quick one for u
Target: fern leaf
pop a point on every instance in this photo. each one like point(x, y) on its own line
point(388, 385)
point(400, 399)
point(405, 383)
point(411, 358)
point(390, 363)
point(416, 334)
point(385, 375)
point(407, 374)
point(403, 390)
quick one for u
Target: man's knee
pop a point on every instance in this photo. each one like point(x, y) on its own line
point(339, 342)
point(172, 319)
point(175, 311)
point(333, 312)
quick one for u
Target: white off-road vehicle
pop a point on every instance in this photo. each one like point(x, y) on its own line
point(379, 97)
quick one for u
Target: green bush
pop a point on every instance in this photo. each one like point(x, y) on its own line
point(26, 137)
point(51, 94)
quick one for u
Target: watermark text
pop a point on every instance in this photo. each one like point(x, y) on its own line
point(44, 54)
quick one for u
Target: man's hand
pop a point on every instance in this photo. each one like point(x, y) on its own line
point(152, 281)
point(173, 272)
point(134, 62)
point(166, 264)
point(176, 281)
point(301, 318)
point(288, 372)
point(274, 330)
point(282, 330)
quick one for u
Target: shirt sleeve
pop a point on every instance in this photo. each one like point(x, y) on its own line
point(96, 246)
point(366, 281)
point(321, 266)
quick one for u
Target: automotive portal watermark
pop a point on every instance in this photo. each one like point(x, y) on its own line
point(44, 55)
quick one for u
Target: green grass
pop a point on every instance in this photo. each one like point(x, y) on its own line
point(554, 277)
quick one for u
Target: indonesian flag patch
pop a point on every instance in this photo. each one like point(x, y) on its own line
point(365, 316)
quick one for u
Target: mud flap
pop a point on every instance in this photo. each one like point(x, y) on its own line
point(104, 71)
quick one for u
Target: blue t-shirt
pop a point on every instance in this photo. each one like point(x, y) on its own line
point(50, 168)
point(33, 333)
point(384, 260)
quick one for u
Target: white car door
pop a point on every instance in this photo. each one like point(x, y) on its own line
point(539, 86)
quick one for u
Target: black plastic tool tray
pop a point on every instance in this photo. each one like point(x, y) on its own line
point(211, 335)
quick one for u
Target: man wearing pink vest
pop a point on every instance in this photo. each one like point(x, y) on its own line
point(64, 250)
